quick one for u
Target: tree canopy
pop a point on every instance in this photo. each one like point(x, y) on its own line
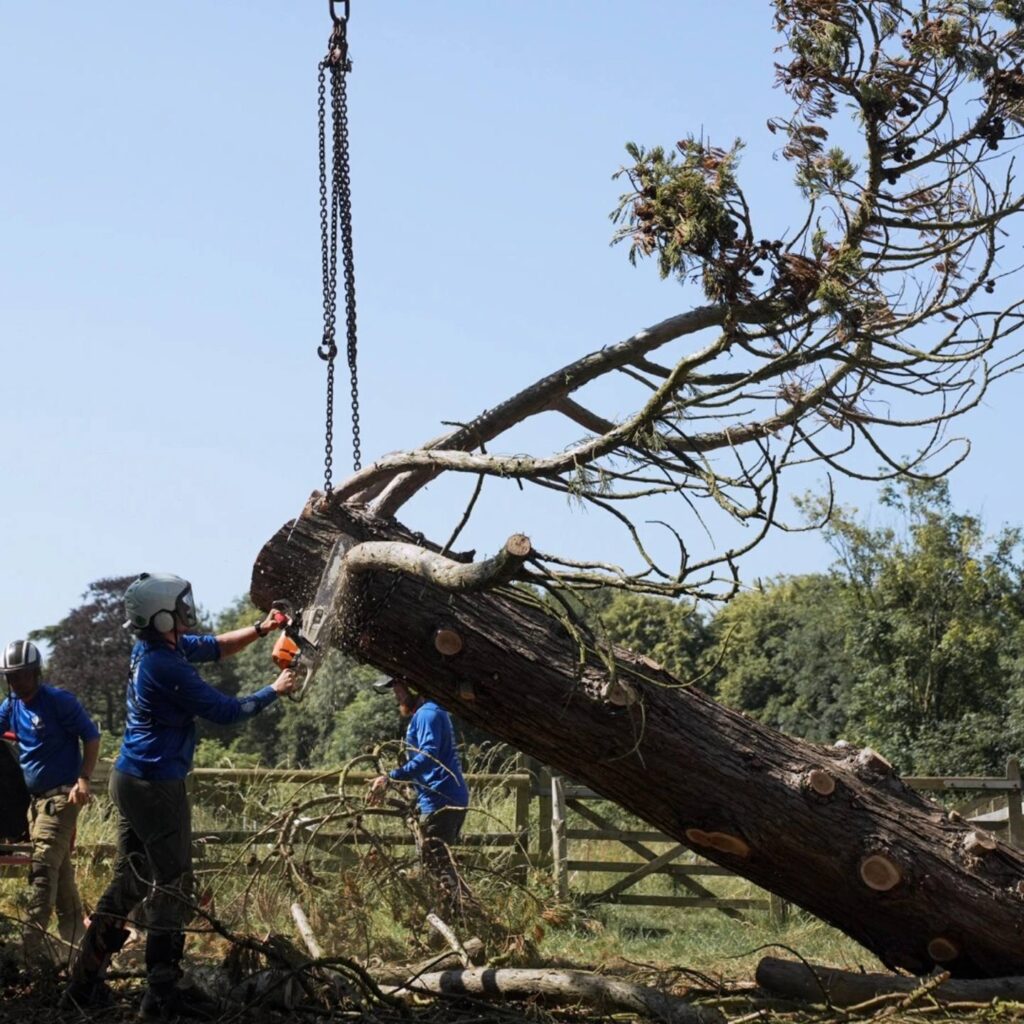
point(864, 330)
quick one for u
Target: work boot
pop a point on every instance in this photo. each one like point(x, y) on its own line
point(166, 1002)
point(86, 995)
point(164, 998)
point(86, 988)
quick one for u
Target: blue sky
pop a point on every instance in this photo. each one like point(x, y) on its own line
point(159, 272)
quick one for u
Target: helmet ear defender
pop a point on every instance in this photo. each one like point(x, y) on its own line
point(163, 622)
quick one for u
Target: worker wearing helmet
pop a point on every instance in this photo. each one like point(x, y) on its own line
point(165, 695)
point(57, 749)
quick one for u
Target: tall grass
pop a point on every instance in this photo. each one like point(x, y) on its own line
point(370, 899)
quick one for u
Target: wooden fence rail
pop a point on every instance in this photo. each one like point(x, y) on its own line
point(551, 817)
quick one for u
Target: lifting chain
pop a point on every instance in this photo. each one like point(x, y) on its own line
point(335, 219)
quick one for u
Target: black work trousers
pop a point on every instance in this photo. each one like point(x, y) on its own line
point(153, 868)
point(440, 832)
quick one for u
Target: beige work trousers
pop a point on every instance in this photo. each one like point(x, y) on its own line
point(52, 822)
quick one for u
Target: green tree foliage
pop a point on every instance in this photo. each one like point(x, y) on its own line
point(89, 651)
point(780, 655)
point(670, 632)
point(912, 643)
point(937, 630)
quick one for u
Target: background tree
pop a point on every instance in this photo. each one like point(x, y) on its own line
point(673, 633)
point(911, 643)
point(89, 652)
point(780, 654)
point(936, 630)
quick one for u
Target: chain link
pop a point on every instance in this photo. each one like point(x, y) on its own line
point(335, 220)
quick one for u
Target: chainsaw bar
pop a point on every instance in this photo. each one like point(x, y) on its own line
point(312, 628)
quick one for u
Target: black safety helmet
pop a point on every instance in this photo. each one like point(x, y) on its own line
point(20, 656)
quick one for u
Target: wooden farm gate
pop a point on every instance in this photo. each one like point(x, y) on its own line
point(684, 868)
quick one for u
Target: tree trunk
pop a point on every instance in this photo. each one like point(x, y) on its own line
point(830, 829)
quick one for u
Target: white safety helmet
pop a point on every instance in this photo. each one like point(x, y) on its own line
point(155, 598)
point(20, 656)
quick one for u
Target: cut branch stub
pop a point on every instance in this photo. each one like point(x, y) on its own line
point(465, 690)
point(820, 781)
point(721, 841)
point(447, 641)
point(880, 873)
point(519, 546)
point(618, 692)
point(942, 950)
point(872, 761)
point(980, 842)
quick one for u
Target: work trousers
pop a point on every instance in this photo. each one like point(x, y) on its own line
point(153, 868)
point(439, 832)
point(52, 821)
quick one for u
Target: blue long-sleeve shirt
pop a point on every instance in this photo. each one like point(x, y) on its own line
point(433, 764)
point(165, 696)
point(50, 730)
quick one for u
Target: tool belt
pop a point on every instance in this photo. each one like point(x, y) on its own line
point(56, 791)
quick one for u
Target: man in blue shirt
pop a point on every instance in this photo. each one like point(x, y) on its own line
point(432, 766)
point(52, 731)
point(165, 695)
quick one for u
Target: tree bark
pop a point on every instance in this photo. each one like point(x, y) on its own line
point(829, 829)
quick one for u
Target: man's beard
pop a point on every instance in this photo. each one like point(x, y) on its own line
point(407, 710)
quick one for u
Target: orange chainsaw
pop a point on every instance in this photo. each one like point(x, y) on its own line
point(306, 637)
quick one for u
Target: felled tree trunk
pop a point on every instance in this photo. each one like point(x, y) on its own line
point(829, 829)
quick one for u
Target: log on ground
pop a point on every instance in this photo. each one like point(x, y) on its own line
point(567, 988)
point(793, 979)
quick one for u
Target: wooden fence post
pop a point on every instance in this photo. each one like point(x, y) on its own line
point(542, 791)
point(778, 909)
point(523, 796)
point(559, 844)
point(1014, 815)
